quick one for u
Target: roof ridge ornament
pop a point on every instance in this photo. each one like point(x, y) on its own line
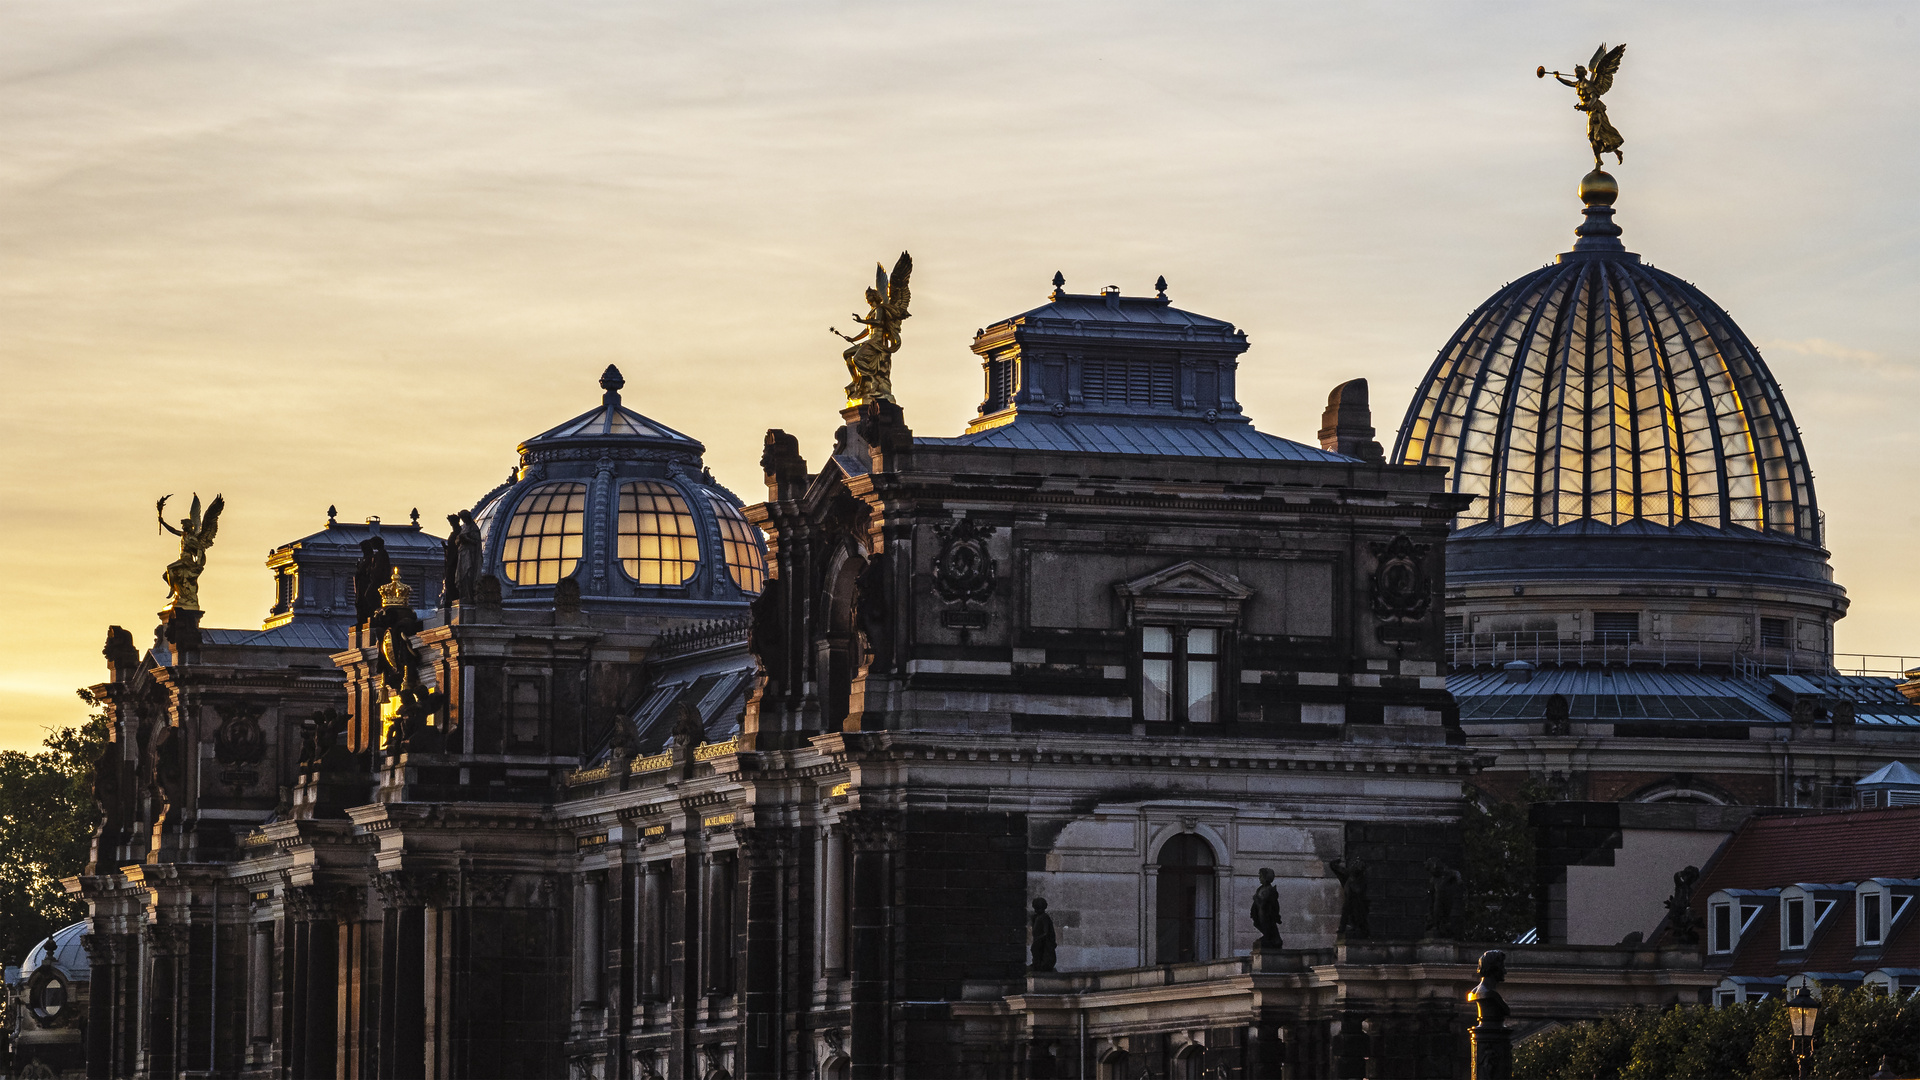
point(1059, 286)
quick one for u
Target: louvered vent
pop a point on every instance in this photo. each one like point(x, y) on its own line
point(1128, 382)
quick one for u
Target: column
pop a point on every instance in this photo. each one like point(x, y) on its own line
point(869, 965)
point(589, 951)
point(765, 853)
point(833, 908)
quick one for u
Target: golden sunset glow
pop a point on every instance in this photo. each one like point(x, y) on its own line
point(353, 254)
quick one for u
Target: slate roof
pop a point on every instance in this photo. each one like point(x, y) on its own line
point(1163, 438)
point(1893, 772)
point(298, 634)
point(1628, 694)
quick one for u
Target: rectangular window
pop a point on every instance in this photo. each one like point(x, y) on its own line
point(1796, 921)
point(1722, 928)
point(1869, 800)
point(1773, 633)
point(1156, 672)
point(1180, 674)
point(1870, 919)
point(1202, 675)
point(1725, 998)
point(1617, 627)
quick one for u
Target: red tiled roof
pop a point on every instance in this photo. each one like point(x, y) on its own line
point(1774, 852)
point(1828, 849)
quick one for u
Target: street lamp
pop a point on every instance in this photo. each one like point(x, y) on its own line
point(1803, 1011)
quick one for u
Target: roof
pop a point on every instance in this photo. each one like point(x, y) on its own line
point(1598, 388)
point(1104, 314)
point(1606, 694)
point(612, 428)
point(1891, 773)
point(307, 633)
point(64, 947)
point(1841, 850)
point(1114, 435)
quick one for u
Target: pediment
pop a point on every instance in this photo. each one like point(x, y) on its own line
point(1188, 581)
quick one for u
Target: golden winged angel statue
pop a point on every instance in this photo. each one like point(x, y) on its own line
point(1590, 85)
point(196, 533)
point(870, 359)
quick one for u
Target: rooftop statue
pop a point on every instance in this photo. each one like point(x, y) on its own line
point(1590, 85)
point(196, 536)
point(870, 360)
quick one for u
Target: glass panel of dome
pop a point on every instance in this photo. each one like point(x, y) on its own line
point(740, 547)
point(543, 539)
point(658, 544)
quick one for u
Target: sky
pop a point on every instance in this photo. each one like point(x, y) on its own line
point(353, 253)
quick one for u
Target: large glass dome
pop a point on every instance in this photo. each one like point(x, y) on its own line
point(1599, 390)
point(621, 505)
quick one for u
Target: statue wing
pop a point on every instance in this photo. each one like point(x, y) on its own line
point(210, 524)
point(897, 292)
point(1604, 65)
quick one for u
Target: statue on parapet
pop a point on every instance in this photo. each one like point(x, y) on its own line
point(870, 359)
point(1446, 900)
point(1683, 925)
point(1353, 898)
point(462, 545)
point(1045, 941)
point(196, 533)
point(1266, 912)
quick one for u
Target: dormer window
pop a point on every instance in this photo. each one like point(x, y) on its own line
point(1801, 915)
point(1730, 914)
point(1879, 905)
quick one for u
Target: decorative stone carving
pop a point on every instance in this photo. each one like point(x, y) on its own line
point(1045, 943)
point(964, 571)
point(404, 888)
point(1445, 900)
point(1558, 720)
point(488, 890)
point(238, 743)
point(1402, 593)
point(1353, 898)
point(1682, 924)
point(1266, 911)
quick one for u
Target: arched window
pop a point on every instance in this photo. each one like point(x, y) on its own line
point(657, 543)
point(740, 546)
point(543, 539)
point(1184, 911)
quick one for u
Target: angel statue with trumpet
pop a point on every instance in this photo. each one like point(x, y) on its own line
point(196, 533)
point(870, 360)
point(1589, 85)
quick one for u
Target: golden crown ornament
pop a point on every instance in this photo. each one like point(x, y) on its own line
point(396, 593)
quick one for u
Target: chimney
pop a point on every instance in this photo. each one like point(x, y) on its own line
point(1347, 425)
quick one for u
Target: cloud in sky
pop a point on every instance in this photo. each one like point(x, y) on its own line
point(353, 253)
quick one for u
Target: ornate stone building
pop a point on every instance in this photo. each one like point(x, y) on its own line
point(647, 795)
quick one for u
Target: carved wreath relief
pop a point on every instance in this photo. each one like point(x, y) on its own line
point(1402, 593)
point(964, 572)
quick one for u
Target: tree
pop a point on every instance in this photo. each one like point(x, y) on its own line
point(1498, 864)
point(47, 817)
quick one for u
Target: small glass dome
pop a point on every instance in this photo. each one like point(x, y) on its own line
point(621, 505)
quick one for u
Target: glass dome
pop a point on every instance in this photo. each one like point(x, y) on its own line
point(1599, 390)
point(621, 505)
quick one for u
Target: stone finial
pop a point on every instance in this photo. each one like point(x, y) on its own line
point(414, 514)
point(332, 514)
point(1160, 287)
point(1059, 286)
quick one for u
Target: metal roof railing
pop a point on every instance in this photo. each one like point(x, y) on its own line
point(1628, 648)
